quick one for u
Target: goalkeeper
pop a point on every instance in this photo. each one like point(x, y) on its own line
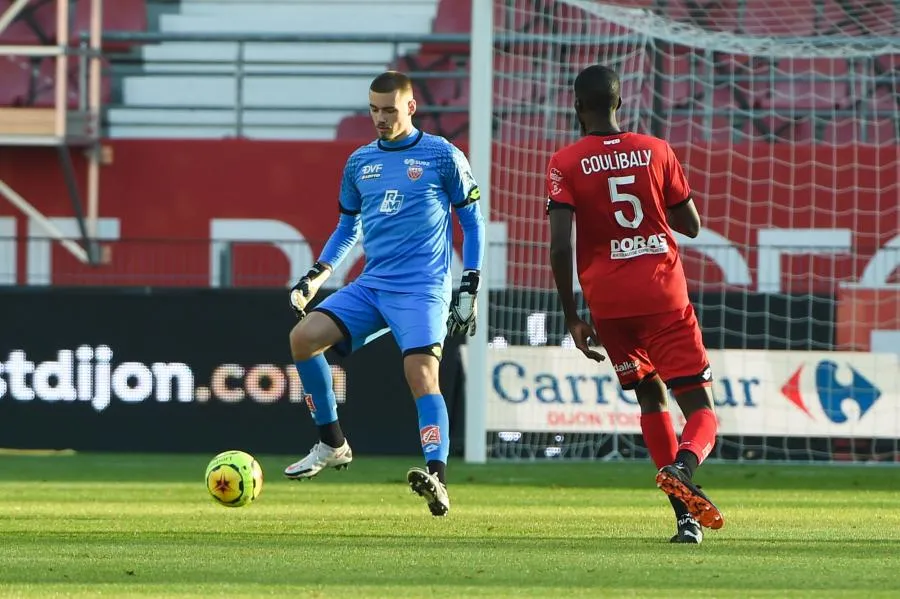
point(399, 190)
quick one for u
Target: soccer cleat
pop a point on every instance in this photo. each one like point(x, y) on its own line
point(689, 531)
point(675, 482)
point(433, 490)
point(321, 456)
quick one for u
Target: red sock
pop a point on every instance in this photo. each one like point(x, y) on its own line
point(659, 436)
point(699, 434)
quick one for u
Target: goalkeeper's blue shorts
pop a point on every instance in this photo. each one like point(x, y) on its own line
point(417, 320)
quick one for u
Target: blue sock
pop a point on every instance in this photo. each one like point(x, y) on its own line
point(434, 427)
point(315, 374)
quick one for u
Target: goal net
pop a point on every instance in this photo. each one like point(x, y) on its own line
point(786, 116)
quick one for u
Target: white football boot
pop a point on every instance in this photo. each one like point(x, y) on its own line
point(321, 456)
point(428, 486)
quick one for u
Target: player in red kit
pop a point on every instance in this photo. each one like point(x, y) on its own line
point(628, 194)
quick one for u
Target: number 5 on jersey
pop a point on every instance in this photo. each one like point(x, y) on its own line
point(618, 196)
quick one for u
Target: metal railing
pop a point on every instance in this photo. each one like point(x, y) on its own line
point(240, 116)
point(243, 68)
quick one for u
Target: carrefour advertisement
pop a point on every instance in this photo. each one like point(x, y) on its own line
point(758, 393)
point(183, 370)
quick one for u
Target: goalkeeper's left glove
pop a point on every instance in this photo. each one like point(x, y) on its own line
point(307, 287)
point(462, 311)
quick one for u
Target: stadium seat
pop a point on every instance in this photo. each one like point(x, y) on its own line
point(425, 70)
point(860, 17)
point(571, 20)
point(810, 84)
point(453, 17)
point(45, 87)
point(358, 126)
point(14, 81)
point(36, 24)
point(517, 128)
point(19, 33)
point(779, 18)
point(882, 132)
point(714, 15)
point(695, 130)
point(119, 15)
point(514, 78)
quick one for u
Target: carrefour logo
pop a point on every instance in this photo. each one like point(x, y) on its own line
point(831, 393)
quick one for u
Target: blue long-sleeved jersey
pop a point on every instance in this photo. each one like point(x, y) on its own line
point(401, 193)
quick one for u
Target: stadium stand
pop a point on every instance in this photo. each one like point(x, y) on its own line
point(203, 106)
point(30, 81)
point(805, 87)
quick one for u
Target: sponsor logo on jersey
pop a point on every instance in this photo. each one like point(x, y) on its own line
point(630, 247)
point(415, 162)
point(392, 202)
point(556, 178)
point(627, 366)
point(371, 171)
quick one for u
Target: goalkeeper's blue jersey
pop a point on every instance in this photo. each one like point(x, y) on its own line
point(403, 192)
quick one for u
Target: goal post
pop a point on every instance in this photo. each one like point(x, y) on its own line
point(480, 154)
point(785, 114)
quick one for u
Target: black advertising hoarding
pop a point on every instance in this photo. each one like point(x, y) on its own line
point(205, 370)
point(179, 371)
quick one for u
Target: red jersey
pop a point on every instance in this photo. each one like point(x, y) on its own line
point(620, 187)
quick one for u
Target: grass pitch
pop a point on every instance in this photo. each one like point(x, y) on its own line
point(118, 525)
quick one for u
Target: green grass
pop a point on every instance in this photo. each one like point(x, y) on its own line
point(142, 526)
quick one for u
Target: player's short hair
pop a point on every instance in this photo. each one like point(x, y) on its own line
point(597, 88)
point(391, 81)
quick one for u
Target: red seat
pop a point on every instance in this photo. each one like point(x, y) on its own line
point(853, 131)
point(862, 18)
point(14, 81)
point(41, 16)
point(716, 15)
point(680, 130)
point(452, 17)
point(809, 84)
point(779, 18)
point(514, 79)
point(357, 127)
point(45, 87)
point(451, 125)
point(118, 15)
point(425, 71)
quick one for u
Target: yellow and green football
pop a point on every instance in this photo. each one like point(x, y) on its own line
point(234, 478)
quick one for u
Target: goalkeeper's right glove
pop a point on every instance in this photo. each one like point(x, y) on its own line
point(307, 287)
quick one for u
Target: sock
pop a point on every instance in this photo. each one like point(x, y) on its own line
point(434, 430)
point(687, 460)
point(659, 436)
point(315, 374)
point(439, 468)
point(697, 438)
point(680, 509)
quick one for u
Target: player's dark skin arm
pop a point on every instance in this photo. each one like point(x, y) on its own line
point(561, 259)
point(561, 263)
point(684, 218)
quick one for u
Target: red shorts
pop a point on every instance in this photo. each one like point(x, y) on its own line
point(669, 344)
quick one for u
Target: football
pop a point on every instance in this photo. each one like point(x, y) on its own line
point(234, 478)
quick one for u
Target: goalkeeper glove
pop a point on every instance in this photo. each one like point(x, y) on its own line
point(307, 287)
point(463, 309)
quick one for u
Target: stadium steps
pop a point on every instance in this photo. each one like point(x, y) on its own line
point(332, 76)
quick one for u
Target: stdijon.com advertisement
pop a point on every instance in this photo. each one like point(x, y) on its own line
point(181, 370)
